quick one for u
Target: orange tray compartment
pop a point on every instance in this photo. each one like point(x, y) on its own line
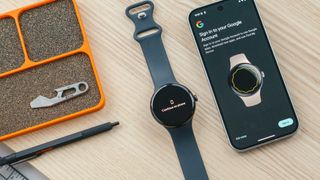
point(29, 64)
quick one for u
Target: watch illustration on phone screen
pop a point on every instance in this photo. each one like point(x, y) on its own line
point(246, 80)
point(172, 104)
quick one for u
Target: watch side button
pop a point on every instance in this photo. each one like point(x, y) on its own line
point(195, 97)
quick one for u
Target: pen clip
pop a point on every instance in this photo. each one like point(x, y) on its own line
point(25, 160)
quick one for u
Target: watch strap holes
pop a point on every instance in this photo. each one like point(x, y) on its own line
point(139, 9)
point(148, 32)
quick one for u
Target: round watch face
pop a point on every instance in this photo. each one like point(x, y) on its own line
point(173, 105)
point(245, 79)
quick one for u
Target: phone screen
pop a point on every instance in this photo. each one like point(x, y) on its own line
point(249, 90)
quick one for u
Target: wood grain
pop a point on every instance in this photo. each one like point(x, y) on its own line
point(140, 148)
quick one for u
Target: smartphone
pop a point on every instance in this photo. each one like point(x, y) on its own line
point(249, 90)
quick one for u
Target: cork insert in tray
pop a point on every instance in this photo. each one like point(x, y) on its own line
point(17, 91)
point(51, 30)
point(11, 53)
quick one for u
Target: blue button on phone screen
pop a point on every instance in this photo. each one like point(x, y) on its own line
point(285, 123)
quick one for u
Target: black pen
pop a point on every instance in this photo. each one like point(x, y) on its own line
point(36, 151)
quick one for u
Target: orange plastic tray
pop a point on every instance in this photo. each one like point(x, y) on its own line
point(29, 64)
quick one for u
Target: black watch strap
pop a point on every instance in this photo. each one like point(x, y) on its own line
point(188, 153)
point(152, 45)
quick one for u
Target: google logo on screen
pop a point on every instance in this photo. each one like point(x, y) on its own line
point(200, 24)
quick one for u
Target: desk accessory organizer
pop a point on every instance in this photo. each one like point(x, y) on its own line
point(44, 47)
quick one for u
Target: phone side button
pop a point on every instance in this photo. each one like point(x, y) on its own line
point(285, 123)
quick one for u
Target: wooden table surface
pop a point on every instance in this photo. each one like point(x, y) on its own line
point(140, 148)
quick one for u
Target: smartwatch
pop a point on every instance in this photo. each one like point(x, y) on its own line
point(246, 80)
point(172, 104)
